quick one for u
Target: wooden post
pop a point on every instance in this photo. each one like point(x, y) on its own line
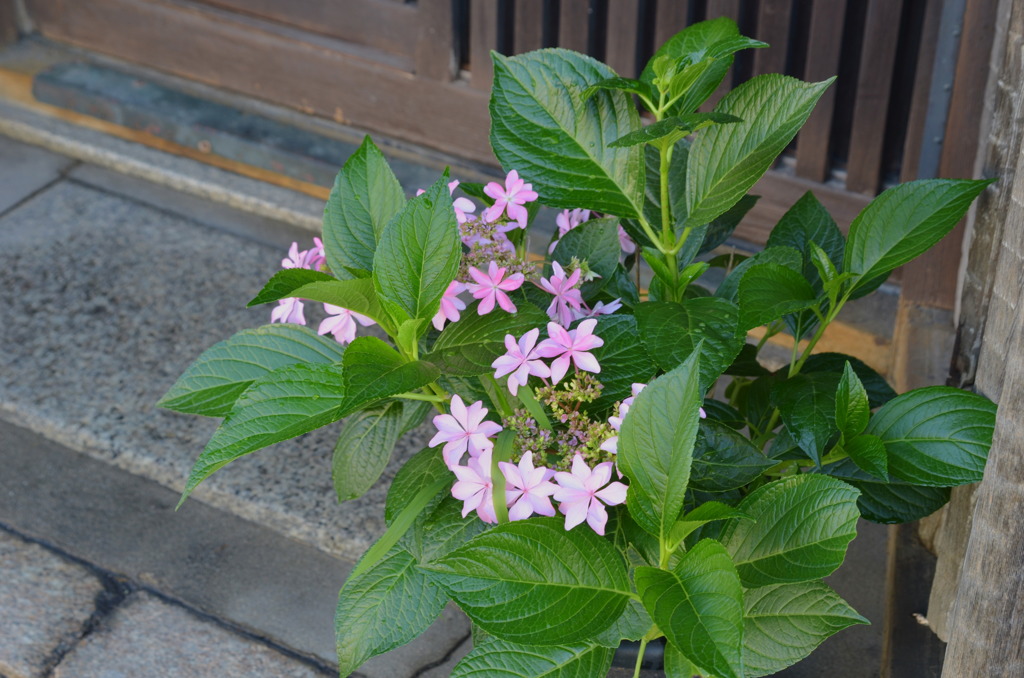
point(8, 22)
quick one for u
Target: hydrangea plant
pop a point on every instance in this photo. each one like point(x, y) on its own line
point(607, 462)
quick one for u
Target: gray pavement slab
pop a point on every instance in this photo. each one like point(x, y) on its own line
point(146, 636)
point(46, 603)
point(25, 169)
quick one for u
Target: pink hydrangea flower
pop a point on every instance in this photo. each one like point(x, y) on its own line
point(584, 493)
point(520, 361)
point(510, 200)
point(464, 430)
point(567, 298)
point(566, 221)
point(612, 443)
point(342, 323)
point(625, 242)
point(288, 311)
point(492, 287)
point(573, 346)
point(312, 259)
point(475, 488)
point(450, 305)
point(528, 490)
point(600, 308)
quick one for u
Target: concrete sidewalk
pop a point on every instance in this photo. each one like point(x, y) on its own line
point(114, 285)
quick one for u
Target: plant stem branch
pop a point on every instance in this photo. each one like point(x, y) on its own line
point(640, 657)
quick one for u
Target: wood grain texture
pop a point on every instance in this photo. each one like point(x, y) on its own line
point(881, 35)
point(528, 32)
point(621, 38)
point(715, 9)
point(669, 18)
point(773, 22)
point(435, 53)
point(922, 87)
point(8, 23)
point(823, 49)
point(573, 24)
point(483, 37)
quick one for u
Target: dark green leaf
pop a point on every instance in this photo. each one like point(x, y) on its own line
point(366, 195)
point(936, 436)
point(708, 512)
point(721, 227)
point(878, 389)
point(868, 452)
point(284, 283)
point(531, 581)
point(656, 447)
point(597, 243)
point(889, 503)
point(785, 622)
point(699, 607)
point(442, 529)
point(500, 659)
point(680, 126)
point(724, 413)
point(356, 295)
point(852, 408)
point(746, 363)
point(384, 607)
point(727, 160)
point(364, 446)
point(807, 222)
point(807, 405)
point(423, 469)
point(632, 624)
point(770, 291)
point(783, 256)
point(800, 530)
point(418, 255)
point(622, 358)
point(903, 222)
point(211, 385)
point(468, 347)
point(538, 111)
point(724, 459)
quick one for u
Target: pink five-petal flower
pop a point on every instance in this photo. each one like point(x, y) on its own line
point(492, 286)
point(583, 494)
point(625, 242)
point(566, 221)
point(612, 443)
point(464, 429)
point(520, 361)
point(342, 323)
point(528, 490)
point(567, 297)
point(474, 487)
point(450, 305)
point(288, 311)
point(316, 258)
point(295, 258)
point(571, 345)
point(509, 200)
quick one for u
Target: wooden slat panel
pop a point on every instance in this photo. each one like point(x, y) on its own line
point(823, 49)
point(715, 9)
point(435, 49)
point(210, 46)
point(669, 18)
point(922, 87)
point(881, 35)
point(773, 22)
point(573, 24)
point(621, 39)
point(357, 21)
point(8, 22)
point(529, 26)
point(483, 37)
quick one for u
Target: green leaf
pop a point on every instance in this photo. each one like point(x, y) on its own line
point(699, 607)
point(418, 255)
point(800, 530)
point(355, 295)
point(770, 291)
point(284, 283)
point(808, 223)
point(677, 665)
point(211, 385)
point(747, 364)
point(708, 512)
point(878, 389)
point(623, 359)
point(301, 398)
point(902, 223)
point(597, 243)
point(539, 111)
point(468, 347)
point(623, 85)
point(365, 196)
point(785, 622)
point(868, 452)
point(889, 503)
point(722, 226)
point(783, 256)
point(533, 582)
point(936, 436)
point(807, 406)
point(424, 468)
point(680, 126)
point(656, 447)
point(632, 624)
point(384, 607)
point(727, 160)
point(500, 659)
point(724, 459)
point(443, 529)
point(364, 446)
point(671, 332)
point(852, 408)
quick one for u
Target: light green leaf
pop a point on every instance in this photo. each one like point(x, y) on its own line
point(467, 348)
point(366, 195)
point(902, 223)
point(800, 530)
point(500, 659)
point(383, 607)
point(852, 408)
point(699, 607)
point(418, 255)
point(785, 622)
point(539, 111)
point(533, 582)
point(727, 160)
point(656, 447)
point(769, 291)
point(211, 385)
point(356, 295)
point(677, 665)
point(936, 436)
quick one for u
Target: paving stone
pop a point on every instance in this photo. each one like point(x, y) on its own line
point(25, 169)
point(146, 637)
point(45, 604)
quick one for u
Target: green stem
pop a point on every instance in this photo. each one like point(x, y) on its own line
point(422, 396)
point(502, 452)
point(640, 657)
